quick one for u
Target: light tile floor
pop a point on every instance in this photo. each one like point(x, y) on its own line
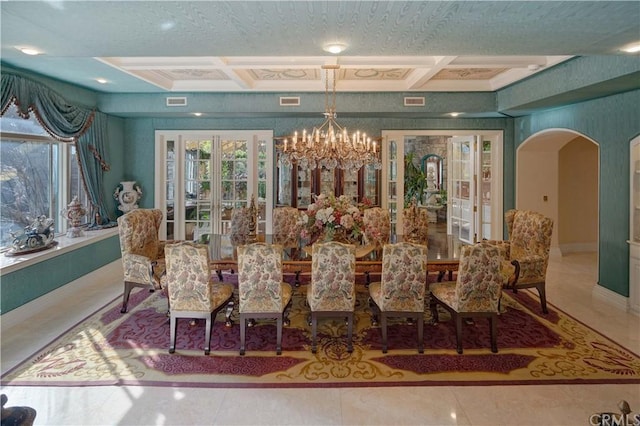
point(570, 283)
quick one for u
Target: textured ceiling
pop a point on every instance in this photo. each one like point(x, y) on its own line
point(236, 46)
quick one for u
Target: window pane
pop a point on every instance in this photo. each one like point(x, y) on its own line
point(25, 170)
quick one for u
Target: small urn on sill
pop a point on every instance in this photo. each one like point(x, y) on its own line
point(74, 212)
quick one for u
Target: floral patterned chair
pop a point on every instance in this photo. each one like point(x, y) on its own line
point(192, 293)
point(244, 221)
point(286, 227)
point(416, 224)
point(332, 292)
point(401, 291)
point(377, 227)
point(142, 251)
point(527, 251)
point(476, 291)
point(262, 293)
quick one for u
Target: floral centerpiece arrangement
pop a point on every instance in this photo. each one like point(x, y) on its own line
point(329, 218)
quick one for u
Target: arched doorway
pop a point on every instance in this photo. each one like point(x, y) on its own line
point(557, 174)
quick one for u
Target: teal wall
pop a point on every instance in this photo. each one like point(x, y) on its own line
point(27, 284)
point(611, 122)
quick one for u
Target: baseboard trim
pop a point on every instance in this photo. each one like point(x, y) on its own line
point(101, 276)
point(611, 297)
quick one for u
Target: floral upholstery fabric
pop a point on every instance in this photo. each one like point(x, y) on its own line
point(189, 280)
point(377, 226)
point(403, 280)
point(142, 251)
point(260, 284)
point(416, 223)
point(333, 275)
point(529, 243)
point(287, 226)
point(243, 225)
point(478, 287)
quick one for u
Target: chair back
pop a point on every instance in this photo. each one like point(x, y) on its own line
point(377, 226)
point(416, 224)
point(479, 282)
point(138, 230)
point(286, 226)
point(404, 277)
point(244, 222)
point(333, 276)
point(188, 278)
point(260, 278)
point(529, 234)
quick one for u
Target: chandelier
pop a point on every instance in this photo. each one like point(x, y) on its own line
point(330, 145)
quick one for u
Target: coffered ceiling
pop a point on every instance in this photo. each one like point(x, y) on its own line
point(241, 46)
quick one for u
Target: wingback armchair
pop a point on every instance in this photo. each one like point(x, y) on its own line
point(527, 251)
point(142, 251)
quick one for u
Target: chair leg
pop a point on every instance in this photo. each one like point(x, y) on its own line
point(173, 325)
point(433, 307)
point(459, 333)
point(383, 326)
point(243, 327)
point(207, 334)
point(375, 312)
point(420, 333)
point(279, 336)
point(228, 322)
point(314, 330)
point(350, 333)
point(494, 333)
point(543, 297)
point(128, 286)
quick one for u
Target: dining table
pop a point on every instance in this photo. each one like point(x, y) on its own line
point(442, 256)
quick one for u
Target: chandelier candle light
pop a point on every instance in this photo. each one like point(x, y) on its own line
point(330, 145)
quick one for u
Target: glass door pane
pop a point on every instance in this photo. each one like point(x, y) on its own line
point(350, 184)
point(371, 184)
point(485, 190)
point(233, 178)
point(461, 180)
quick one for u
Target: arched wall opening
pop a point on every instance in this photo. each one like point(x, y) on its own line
point(557, 174)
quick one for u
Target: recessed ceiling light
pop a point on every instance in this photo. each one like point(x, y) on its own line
point(454, 114)
point(632, 48)
point(101, 80)
point(197, 114)
point(335, 48)
point(167, 25)
point(28, 50)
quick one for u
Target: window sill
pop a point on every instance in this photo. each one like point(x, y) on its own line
point(10, 264)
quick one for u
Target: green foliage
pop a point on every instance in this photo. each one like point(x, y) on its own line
point(414, 181)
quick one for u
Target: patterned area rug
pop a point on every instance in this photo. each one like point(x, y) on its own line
point(110, 348)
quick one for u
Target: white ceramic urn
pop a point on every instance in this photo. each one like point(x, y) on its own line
point(128, 193)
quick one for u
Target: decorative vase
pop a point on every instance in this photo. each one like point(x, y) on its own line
point(73, 213)
point(128, 193)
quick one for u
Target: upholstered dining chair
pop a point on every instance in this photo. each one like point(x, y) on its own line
point(262, 293)
point(286, 227)
point(401, 291)
point(142, 251)
point(476, 291)
point(244, 222)
point(527, 252)
point(377, 227)
point(192, 292)
point(332, 292)
point(416, 224)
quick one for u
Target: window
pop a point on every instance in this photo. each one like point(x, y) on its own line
point(38, 176)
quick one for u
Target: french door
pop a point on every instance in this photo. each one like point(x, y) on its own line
point(201, 176)
point(472, 176)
